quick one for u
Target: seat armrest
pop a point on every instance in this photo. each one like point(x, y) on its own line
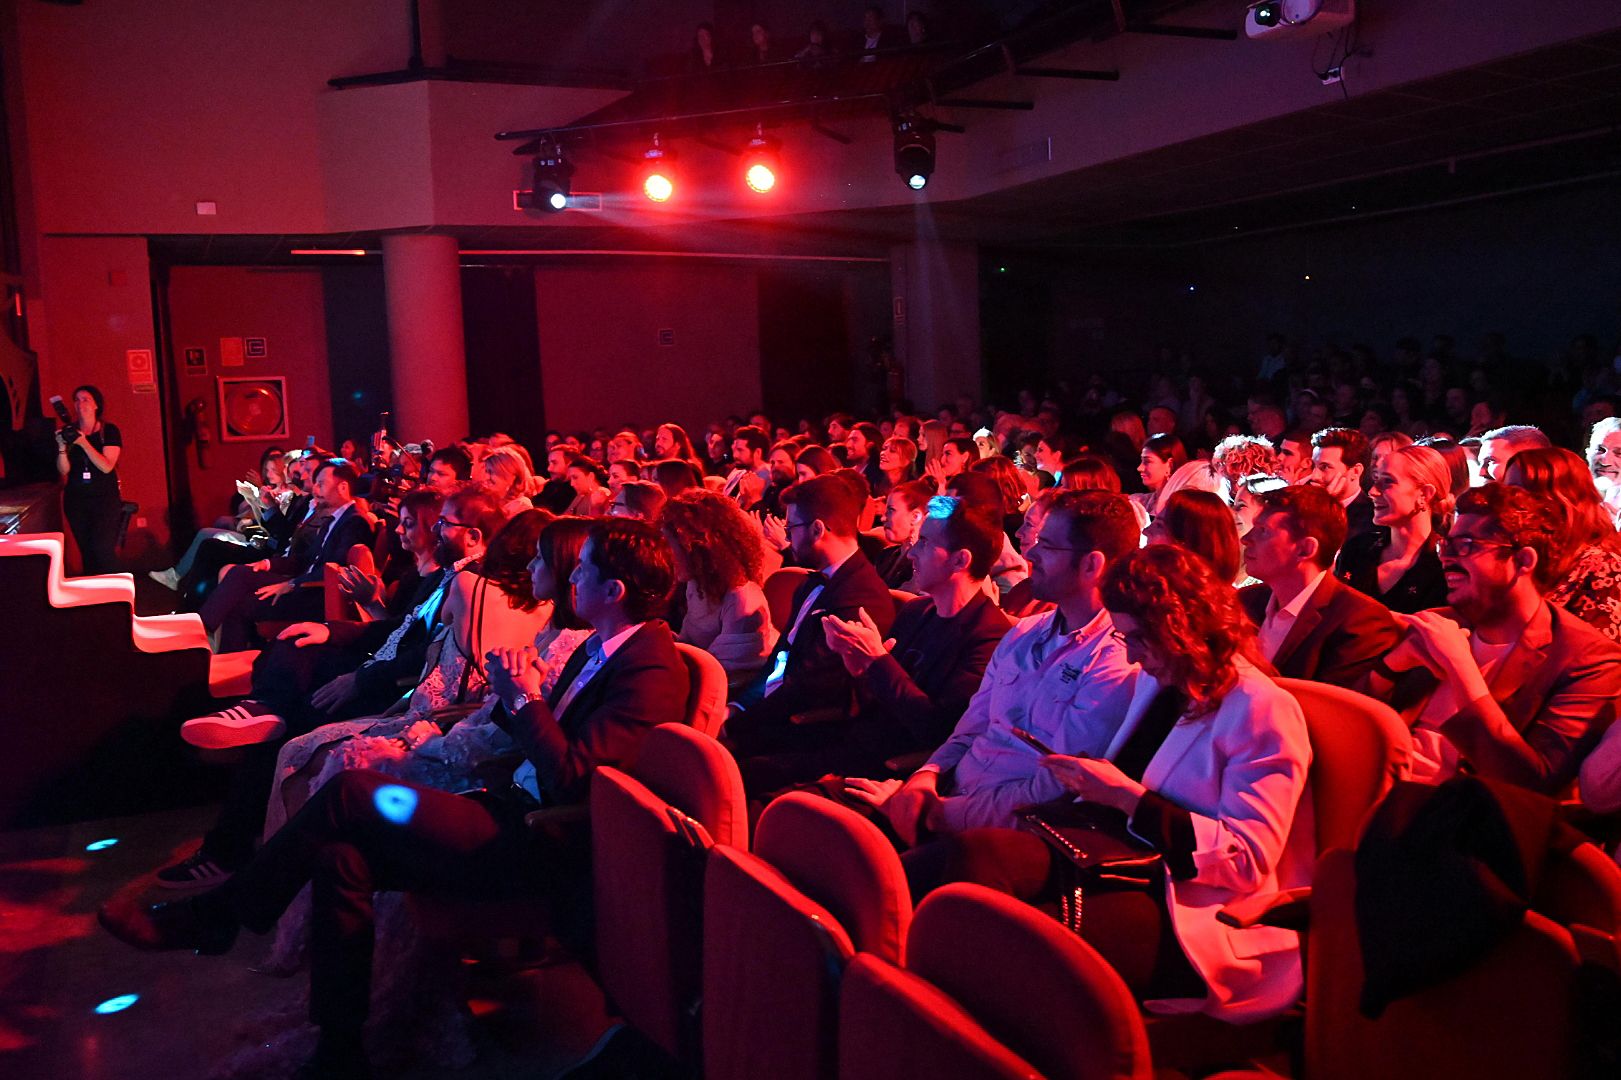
point(1289, 909)
point(830, 714)
point(907, 764)
point(1597, 948)
point(1603, 829)
point(540, 820)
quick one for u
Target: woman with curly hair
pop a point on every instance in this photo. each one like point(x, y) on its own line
point(1208, 767)
point(718, 556)
point(1200, 522)
point(1238, 456)
point(1587, 564)
point(1396, 562)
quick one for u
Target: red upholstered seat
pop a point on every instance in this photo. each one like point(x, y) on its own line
point(1509, 1016)
point(1359, 747)
point(650, 838)
point(779, 927)
point(892, 1023)
point(706, 701)
point(992, 988)
point(779, 595)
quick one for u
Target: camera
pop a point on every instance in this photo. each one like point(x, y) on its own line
point(68, 432)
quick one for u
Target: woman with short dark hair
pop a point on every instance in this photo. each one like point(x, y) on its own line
point(87, 453)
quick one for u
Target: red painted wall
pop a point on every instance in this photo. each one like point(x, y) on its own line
point(286, 308)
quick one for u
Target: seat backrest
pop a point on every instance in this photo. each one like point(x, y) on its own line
point(706, 696)
point(1359, 747)
point(779, 590)
point(1510, 1015)
point(772, 959)
point(647, 869)
point(901, 598)
point(1035, 987)
point(1582, 886)
point(893, 1023)
point(841, 861)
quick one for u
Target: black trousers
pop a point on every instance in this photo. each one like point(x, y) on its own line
point(94, 522)
point(365, 832)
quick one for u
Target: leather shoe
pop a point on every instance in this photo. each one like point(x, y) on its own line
point(200, 922)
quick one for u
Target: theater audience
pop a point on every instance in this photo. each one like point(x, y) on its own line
point(814, 461)
point(1246, 499)
point(366, 832)
point(1020, 600)
point(1310, 626)
point(1238, 456)
point(863, 447)
point(1339, 459)
point(746, 483)
point(1396, 561)
point(804, 674)
point(1380, 446)
point(1604, 462)
point(509, 480)
point(677, 476)
point(1088, 472)
point(1587, 557)
point(1518, 688)
point(985, 495)
point(642, 500)
point(1061, 676)
point(903, 517)
point(672, 441)
point(895, 463)
point(1498, 446)
point(587, 477)
point(1294, 456)
point(781, 464)
point(718, 558)
point(448, 469)
point(274, 589)
point(1201, 523)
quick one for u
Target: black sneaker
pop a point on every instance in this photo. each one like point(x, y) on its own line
point(194, 872)
point(202, 923)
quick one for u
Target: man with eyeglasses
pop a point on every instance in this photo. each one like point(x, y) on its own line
point(804, 680)
point(1062, 676)
point(1500, 681)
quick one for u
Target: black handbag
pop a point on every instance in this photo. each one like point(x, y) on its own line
point(1097, 852)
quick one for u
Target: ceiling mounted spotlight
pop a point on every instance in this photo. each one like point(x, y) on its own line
point(761, 162)
point(553, 174)
point(914, 150)
point(658, 173)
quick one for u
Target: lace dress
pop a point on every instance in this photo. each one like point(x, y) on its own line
point(1592, 590)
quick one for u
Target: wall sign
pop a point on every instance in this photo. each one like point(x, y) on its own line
point(143, 376)
point(196, 362)
point(666, 337)
point(255, 348)
point(230, 352)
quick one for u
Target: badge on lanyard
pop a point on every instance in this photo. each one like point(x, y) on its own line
point(84, 477)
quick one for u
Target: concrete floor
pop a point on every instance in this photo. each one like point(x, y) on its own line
point(193, 1013)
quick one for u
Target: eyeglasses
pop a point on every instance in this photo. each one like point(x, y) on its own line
point(1133, 638)
point(1465, 546)
point(444, 521)
point(790, 526)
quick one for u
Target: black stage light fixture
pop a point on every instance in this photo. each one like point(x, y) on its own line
point(914, 151)
point(553, 173)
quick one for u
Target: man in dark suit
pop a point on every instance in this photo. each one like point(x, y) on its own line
point(805, 678)
point(275, 589)
point(1311, 625)
point(365, 832)
point(1500, 681)
point(913, 688)
point(1339, 463)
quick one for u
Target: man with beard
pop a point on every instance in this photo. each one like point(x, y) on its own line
point(781, 464)
point(1500, 681)
point(444, 540)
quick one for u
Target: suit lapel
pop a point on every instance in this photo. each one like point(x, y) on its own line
point(1526, 658)
point(1306, 623)
point(571, 671)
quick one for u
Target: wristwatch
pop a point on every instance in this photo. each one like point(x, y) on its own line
point(519, 700)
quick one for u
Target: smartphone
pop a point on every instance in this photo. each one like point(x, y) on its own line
point(1033, 742)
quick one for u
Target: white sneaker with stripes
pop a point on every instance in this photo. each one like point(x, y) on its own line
point(246, 724)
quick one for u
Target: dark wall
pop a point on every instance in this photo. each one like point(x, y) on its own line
point(357, 344)
point(1539, 268)
point(504, 391)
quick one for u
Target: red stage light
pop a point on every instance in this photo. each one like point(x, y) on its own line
point(657, 186)
point(760, 177)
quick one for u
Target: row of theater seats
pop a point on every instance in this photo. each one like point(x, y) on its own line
point(91, 693)
point(797, 954)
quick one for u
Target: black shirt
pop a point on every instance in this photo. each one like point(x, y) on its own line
point(84, 480)
point(1421, 587)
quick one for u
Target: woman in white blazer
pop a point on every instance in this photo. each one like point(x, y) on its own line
point(1223, 793)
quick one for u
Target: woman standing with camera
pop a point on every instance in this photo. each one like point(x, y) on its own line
point(87, 453)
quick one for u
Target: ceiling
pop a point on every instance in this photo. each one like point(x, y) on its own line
point(1543, 118)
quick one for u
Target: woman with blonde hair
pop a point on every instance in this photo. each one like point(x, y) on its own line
point(1587, 565)
point(719, 557)
point(1396, 562)
point(508, 479)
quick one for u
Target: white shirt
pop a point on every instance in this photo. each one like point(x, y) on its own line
point(1280, 620)
point(601, 653)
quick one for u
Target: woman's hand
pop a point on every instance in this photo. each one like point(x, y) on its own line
point(1095, 780)
point(775, 531)
point(359, 586)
